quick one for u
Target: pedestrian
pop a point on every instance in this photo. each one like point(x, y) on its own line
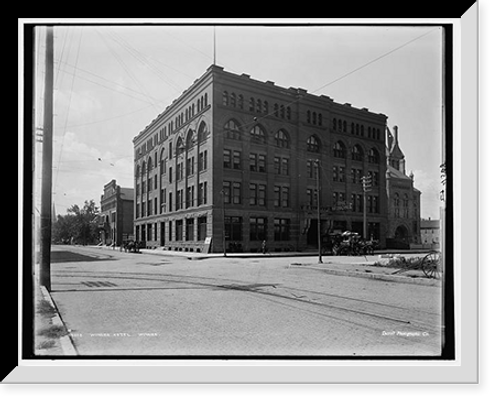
point(264, 247)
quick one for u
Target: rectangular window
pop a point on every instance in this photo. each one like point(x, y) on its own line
point(258, 228)
point(277, 196)
point(227, 159)
point(190, 166)
point(190, 196)
point(253, 162)
point(342, 174)
point(233, 228)
point(179, 199)
point(277, 165)
point(253, 194)
point(312, 197)
point(170, 202)
point(178, 230)
point(284, 166)
point(202, 193)
point(236, 192)
point(190, 229)
point(285, 196)
point(202, 228)
point(226, 190)
point(236, 159)
point(170, 226)
point(262, 163)
point(281, 229)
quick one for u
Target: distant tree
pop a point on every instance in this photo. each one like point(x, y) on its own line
point(78, 225)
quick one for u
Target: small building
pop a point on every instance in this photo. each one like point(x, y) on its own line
point(117, 214)
point(430, 232)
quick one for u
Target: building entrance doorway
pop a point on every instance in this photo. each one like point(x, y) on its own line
point(312, 233)
point(401, 234)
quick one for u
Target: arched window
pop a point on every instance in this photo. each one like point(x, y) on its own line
point(202, 132)
point(276, 109)
point(288, 113)
point(353, 128)
point(396, 205)
point(345, 126)
point(233, 100)
point(144, 172)
point(224, 99)
point(314, 118)
point(308, 116)
point(138, 172)
point(259, 105)
point(373, 156)
point(179, 147)
point(241, 102)
point(251, 105)
point(189, 140)
point(266, 107)
point(281, 139)
point(320, 119)
point(258, 135)
point(150, 164)
point(406, 211)
point(313, 144)
point(334, 124)
point(339, 150)
point(232, 130)
point(357, 153)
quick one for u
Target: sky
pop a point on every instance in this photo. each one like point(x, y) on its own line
point(112, 81)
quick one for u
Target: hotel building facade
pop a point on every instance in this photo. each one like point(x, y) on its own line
point(236, 160)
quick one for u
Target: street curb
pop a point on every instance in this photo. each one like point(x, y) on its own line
point(66, 344)
point(374, 276)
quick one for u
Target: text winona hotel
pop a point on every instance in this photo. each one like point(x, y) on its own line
point(249, 149)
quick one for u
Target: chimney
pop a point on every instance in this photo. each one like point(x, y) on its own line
point(395, 129)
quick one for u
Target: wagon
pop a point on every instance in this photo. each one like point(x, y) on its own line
point(431, 265)
point(347, 244)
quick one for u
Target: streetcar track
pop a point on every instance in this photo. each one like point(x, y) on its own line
point(254, 288)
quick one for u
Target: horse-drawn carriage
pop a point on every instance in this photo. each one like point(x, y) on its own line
point(347, 244)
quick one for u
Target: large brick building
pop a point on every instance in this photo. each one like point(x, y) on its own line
point(236, 151)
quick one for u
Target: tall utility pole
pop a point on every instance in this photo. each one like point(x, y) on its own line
point(46, 203)
point(320, 259)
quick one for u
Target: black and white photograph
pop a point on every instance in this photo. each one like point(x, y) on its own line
point(240, 191)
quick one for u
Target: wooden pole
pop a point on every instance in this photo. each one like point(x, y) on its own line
point(46, 203)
